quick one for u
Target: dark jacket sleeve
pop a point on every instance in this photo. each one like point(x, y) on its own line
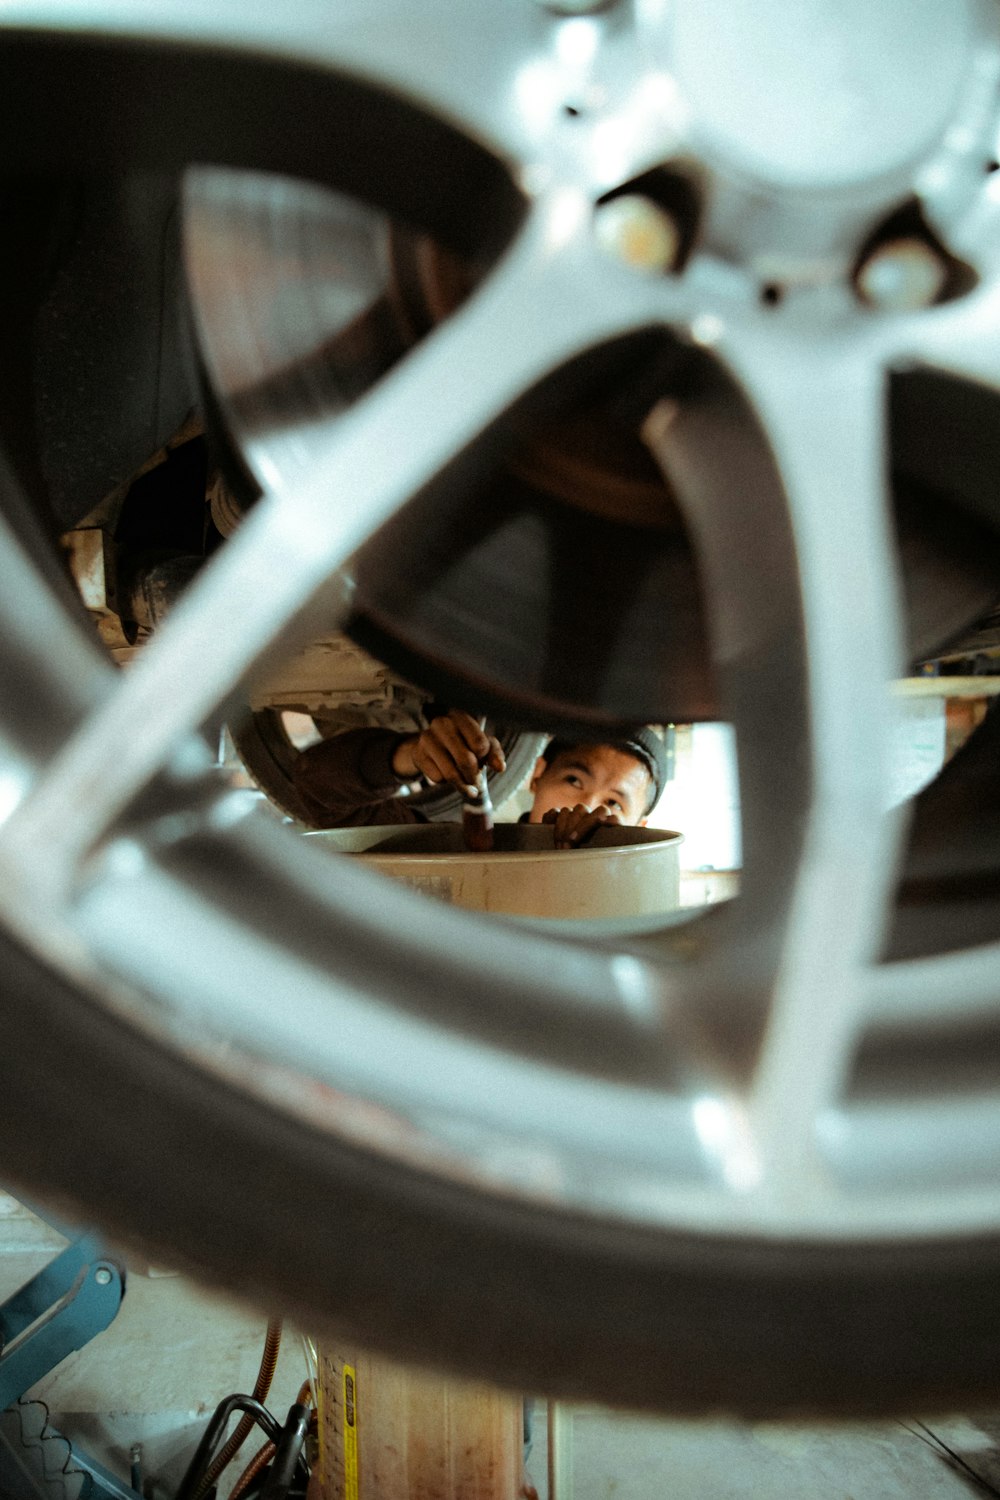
point(348, 781)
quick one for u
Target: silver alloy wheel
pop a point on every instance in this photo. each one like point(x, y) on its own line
point(702, 1081)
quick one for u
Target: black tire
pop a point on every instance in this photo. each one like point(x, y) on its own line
point(100, 1120)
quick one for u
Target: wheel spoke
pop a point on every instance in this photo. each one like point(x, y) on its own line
point(800, 585)
point(960, 989)
point(825, 416)
point(330, 485)
point(961, 337)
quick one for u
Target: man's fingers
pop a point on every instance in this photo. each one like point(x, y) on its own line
point(451, 752)
point(599, 818)
point(469, 729)
point(436, 764)
point(458, 737)
point(485, 747)
point(496, 757)
point(568, 822)
point(450, 742)
point(557, 820)
point(575, 825)
point(426, 760)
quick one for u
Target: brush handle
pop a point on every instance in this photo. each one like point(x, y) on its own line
point(477, 818)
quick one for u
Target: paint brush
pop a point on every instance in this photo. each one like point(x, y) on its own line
point(477, 815)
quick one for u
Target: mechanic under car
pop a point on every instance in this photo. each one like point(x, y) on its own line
point(353, 778)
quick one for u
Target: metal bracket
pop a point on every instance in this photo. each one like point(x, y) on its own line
point(59, 1310)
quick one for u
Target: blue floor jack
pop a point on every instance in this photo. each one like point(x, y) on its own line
point(58, 1311)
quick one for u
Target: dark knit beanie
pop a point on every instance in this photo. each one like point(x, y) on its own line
point(642, 743)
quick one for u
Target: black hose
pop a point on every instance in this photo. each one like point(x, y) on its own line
point(287, 1454)
point(213, 1432)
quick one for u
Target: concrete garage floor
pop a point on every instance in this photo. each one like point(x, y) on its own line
point(621, 1457)
point(156, 1373)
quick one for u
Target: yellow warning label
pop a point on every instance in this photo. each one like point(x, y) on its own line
point(350, 1433)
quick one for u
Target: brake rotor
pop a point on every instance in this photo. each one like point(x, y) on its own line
point(560, 588)
point(563, 584)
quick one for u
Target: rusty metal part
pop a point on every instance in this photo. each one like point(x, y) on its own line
point(90, 554)
point(588, 456)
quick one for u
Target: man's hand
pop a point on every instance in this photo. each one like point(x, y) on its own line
point(573, 826)
point(450, 749)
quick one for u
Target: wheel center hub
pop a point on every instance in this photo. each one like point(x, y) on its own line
point(805, 94)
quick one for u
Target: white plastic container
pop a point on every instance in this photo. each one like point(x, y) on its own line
point(619, 873)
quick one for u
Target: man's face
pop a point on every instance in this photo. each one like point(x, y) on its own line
point(596, 776)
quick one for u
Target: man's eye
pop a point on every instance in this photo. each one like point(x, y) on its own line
point(572, 780)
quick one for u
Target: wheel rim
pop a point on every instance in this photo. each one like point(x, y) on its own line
point(702, 1078)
